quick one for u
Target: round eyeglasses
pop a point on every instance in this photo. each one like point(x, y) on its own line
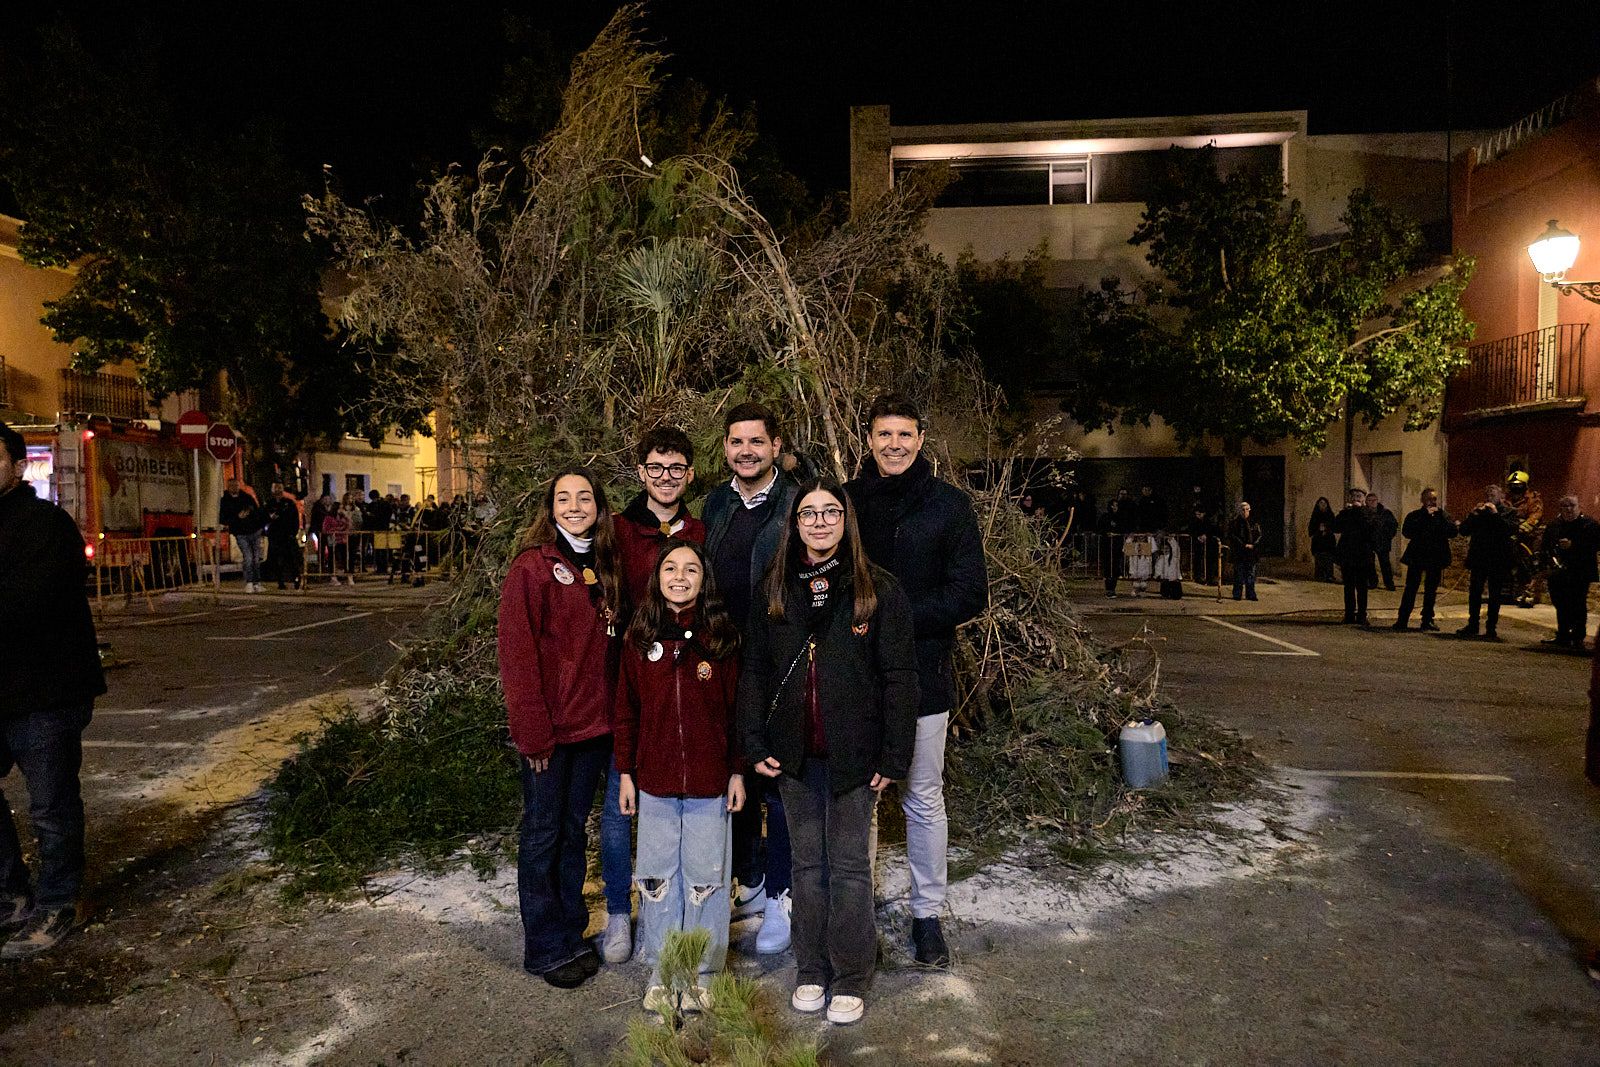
point(830, 516)
point(675, 471)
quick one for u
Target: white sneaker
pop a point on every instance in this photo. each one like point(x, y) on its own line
point(249, 587)
point(843, 1010)
point(774, 933)
point(616, 945)
point(808, 998)
point(750, 901)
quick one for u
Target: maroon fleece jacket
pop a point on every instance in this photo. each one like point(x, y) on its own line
point(557, 666)
point(674, 720)
point(638, 545)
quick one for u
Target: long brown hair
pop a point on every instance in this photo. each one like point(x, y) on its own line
point(717, 634)
point(543, 532)
point(786, 561)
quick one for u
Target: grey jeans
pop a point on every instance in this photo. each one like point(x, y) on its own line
point(834, 938)
point(927, 826)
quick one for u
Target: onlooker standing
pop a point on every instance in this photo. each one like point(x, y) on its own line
point(1323, 543)
point(1205, 548)
point(49, 678)
point(1492, 526)
point(557, 641)
point(828, 708)
point(922, 530)
point(745, 521)
point(336, 541)
point(1117, 521)
point(1244, 541)
point(283, 536)
point(377, 518)
point(1428, 531)
point(666, 470)
point(1355, 551)
point(240, 514)
point(1570, 544)
point(1149, 511)
point(1384, 528)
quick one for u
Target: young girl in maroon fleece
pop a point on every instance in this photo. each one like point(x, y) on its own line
point(674, 750)
point(558, 627)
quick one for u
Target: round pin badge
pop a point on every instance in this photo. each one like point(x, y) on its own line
point(703, 671)
point(656, 652)
point(562, 574)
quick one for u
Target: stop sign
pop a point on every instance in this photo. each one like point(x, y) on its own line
point(222, 442)
point(192, 427)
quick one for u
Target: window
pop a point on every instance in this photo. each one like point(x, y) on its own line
point(355, 483)
point(1069, 182)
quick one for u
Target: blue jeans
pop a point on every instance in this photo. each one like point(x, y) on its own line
point(751, 862)
point(835, 935)
point(249, 556)
point(551, 852)
point(47, 746)
point(1244, 578)
point(616, 848)
point(684, 851)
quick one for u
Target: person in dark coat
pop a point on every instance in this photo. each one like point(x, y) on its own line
point(1492, 527)
point(1353, 525)
point(1428, 531)
point(744, 519)
point(1384, 528)
point(828, 706)
point(1244, 546)
point(923, 531)
point(239, 513)
point(1117, 521)
point(283, 536)
point(1324, 545)
point(1569, 546)
point(1205, 548)
point(1149, 511)
point(49, 679)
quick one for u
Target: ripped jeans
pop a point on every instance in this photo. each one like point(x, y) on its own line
point(682, 871)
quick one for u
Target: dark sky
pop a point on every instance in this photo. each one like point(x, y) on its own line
point(386, 91)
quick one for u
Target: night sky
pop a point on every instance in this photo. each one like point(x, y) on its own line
point(385, 92)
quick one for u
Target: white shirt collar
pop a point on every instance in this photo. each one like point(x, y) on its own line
point(759, 497)
point(579, 544)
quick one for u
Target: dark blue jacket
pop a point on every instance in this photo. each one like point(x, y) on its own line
point(718, 509)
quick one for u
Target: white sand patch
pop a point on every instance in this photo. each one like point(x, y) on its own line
point(457, 896)
point(1258, 838)
point(352, 1018)
point(943, 985)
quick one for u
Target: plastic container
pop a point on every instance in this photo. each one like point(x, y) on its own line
point(1143, 746)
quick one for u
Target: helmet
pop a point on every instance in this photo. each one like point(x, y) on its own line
point(1517, 479)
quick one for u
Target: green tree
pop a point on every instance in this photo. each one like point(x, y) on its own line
point(191, 249)
point(1253, 331)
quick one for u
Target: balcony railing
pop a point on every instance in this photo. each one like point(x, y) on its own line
point(111, 395)
point(1538, 367)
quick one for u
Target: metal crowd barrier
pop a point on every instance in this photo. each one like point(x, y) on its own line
point(143, 566)
point(1086, 555)
point(393, 555)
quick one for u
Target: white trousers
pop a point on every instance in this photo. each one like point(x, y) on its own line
point(927, 826)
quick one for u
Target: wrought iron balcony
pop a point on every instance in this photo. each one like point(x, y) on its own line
point(1540, 368)
point(111, 395)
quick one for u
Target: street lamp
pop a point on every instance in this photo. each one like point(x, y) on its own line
point(1553, 252)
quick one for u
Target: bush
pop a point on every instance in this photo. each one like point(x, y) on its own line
point(359, 797)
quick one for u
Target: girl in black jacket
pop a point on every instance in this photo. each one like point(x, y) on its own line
point(828, 706)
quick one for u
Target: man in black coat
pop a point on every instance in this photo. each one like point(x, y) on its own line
point(1570, 544)
point(922, 530)
point(1384, 527)
point(1428, 531)
point(1492, 526)
point(1353, 526)
point(48, 681)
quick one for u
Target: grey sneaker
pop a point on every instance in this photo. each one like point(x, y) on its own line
point(14, 911)
point(616, 945)
point(42, 932)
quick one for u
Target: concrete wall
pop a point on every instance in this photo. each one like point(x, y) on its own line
point(34, 361)
point(1407, 171)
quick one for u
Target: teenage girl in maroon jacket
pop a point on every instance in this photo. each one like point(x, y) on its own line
point(558, 626)
point(674, 749)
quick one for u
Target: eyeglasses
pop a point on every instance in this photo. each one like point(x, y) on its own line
point(675, 471)
point(826, 516)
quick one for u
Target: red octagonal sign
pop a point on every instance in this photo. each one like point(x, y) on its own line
point(192, 427)
point(222, 442)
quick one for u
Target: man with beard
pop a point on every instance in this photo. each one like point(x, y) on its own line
point(922, 530)
point(744, 519)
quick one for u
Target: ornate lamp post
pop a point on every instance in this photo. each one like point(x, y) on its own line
point(1553, 252)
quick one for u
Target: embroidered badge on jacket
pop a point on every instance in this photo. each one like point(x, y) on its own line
point(562, 574)
point(819, 585)
point(703, 671)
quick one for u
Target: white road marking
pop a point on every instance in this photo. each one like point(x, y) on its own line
point(140, 744)
point(1294, 650)
point(270, 634)
point(1427, 776)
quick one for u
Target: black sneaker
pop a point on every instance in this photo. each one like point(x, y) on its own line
point(928, 941)
point(1428, 627)
point(1469, 630)
point(1490, 635)
point(569, 975)
point(42, 932)
point(14, 912)
point(1398, 625)
point(589, 959)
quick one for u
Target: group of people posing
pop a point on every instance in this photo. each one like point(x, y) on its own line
point(744, 686)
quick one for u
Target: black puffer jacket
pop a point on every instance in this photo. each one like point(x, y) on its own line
point(51, 658)
point(922, 530)
point(866, 685)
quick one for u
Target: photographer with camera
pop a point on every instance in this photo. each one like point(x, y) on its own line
point(1492, 527)
point(1569, 548)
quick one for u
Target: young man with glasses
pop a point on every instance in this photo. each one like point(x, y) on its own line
point(922, 530)
point(745, 518)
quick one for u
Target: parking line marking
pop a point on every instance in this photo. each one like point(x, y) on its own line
point(1427, 776)
point(1294, 650)
point(270, 634)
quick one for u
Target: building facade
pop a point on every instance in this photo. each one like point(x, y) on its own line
point(1078, 188)
point(1530, 399)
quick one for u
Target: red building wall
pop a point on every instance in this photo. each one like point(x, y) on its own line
point(1498, 209)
